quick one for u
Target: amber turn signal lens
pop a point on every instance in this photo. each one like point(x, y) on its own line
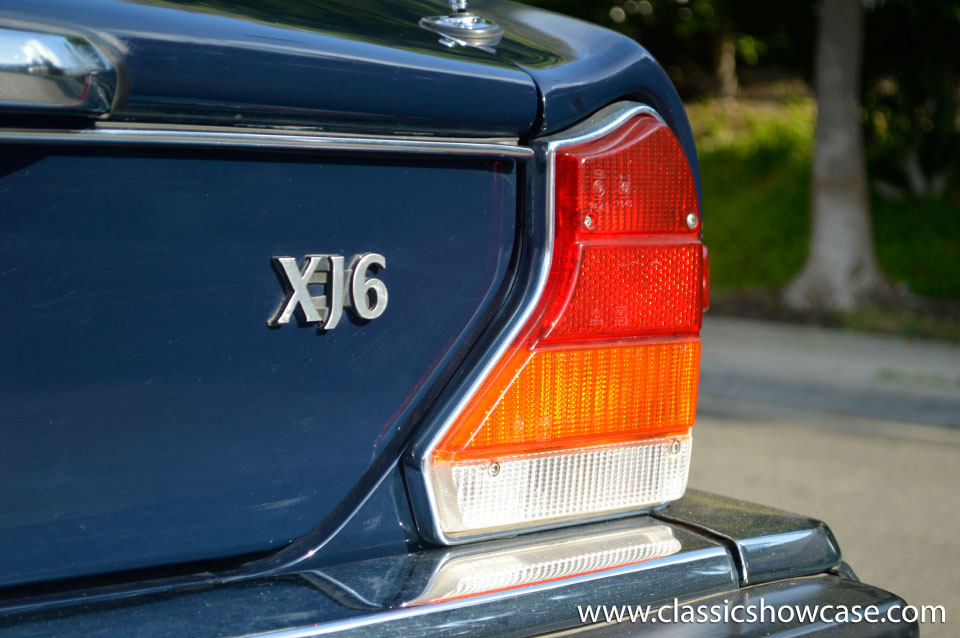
point(560, 399)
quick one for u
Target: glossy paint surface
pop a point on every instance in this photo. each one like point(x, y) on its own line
point(364, 65)
point(308, 605)
point(335, 66)
point(589, 68)
point(149, 415)
point(767, 543)
point(349, 65)
point(368, 597)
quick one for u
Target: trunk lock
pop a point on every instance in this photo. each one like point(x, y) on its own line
point(463, 27)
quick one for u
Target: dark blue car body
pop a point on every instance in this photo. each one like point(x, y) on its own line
point(170, 465)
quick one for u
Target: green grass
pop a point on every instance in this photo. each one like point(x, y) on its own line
point(755, 171)
point(755, 167)
point(918, 242)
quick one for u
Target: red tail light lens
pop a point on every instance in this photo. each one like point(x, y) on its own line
point(589, 411)
point(626, 290)
point(636, 180)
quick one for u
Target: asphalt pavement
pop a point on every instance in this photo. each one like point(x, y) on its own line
point(860, 431)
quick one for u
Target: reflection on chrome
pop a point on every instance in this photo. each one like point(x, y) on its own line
point(40, 70)
point(483, 573)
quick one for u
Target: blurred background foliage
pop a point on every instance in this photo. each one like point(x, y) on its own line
point(744, 69)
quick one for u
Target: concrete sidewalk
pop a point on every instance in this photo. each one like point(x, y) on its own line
point(845, 373)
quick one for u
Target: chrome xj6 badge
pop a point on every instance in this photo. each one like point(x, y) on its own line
point(349, 288)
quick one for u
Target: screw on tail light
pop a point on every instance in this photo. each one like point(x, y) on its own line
point(586, 407)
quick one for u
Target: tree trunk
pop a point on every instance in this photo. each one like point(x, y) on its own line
point(726, 57)
point(841, 269)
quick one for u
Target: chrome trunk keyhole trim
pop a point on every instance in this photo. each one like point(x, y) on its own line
point(463, 27)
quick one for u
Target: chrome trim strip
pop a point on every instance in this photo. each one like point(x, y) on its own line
point(54, 72)
point(596, 126)
point(265, 140)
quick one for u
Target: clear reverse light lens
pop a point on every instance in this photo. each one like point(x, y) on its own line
point(544, 487)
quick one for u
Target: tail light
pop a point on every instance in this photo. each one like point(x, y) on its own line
point(588, 412)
